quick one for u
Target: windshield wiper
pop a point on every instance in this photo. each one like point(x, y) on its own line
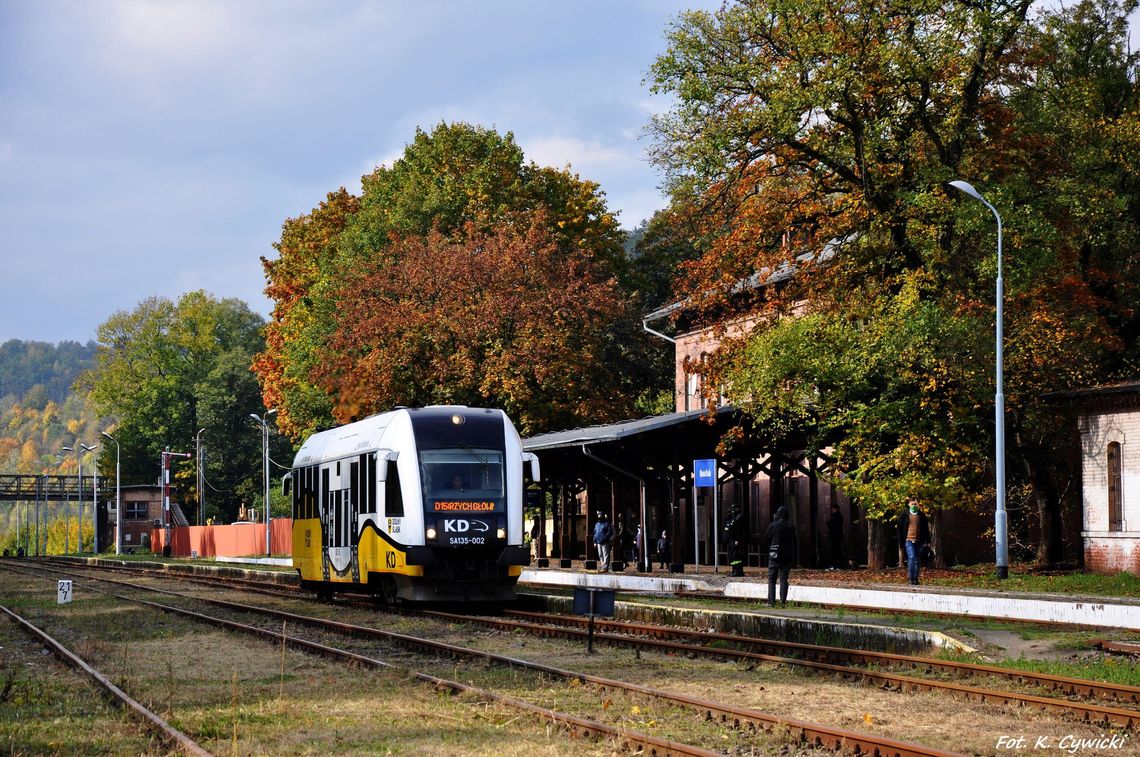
point(474, 454)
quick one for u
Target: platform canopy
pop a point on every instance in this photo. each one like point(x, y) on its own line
point(660, 447)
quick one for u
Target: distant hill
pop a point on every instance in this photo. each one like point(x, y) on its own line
point(24, 365)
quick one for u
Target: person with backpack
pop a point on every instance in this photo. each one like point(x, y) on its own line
point(781, 538)
point(603, 539)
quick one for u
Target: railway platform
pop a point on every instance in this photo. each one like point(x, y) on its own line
point(844, 590)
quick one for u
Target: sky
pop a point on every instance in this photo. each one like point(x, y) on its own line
point(155, 148)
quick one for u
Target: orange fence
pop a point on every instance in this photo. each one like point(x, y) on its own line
point(235, 540)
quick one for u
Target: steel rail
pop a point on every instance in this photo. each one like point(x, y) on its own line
point(811, 733)
point(808, 733)
point(1088, 712)
point(153, 722)
point(577, 726)
point(1069, 686)
point(279, 588)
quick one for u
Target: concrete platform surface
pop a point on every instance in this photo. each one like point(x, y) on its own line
point(1100, 612)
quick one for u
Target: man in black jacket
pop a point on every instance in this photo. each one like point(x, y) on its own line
point(734, 541)
point(781, 538)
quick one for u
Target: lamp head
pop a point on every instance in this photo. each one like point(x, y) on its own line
point(88, 449)
point(104, 433)
point(67, 449)
point(270, 411)
point(967, 188)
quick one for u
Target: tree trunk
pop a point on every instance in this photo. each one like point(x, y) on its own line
point(1050, 546)
point(877, 533)
point(936, 540)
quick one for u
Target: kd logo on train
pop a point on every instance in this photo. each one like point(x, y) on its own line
point(462, 526)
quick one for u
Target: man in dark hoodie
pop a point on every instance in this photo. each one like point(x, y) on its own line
point(781, 538)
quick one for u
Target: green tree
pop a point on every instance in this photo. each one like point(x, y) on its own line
point(165, 370)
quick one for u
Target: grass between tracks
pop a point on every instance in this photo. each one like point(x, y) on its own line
point(238, 695)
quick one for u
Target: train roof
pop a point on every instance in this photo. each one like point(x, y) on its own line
point(365, 434)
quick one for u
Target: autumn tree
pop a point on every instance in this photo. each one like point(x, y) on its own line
point(452, 185)
point(822, 134)
point(506, 318)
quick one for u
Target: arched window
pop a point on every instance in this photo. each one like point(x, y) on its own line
point(1115, 505)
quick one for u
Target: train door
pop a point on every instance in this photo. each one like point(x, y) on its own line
point(337, 520)
point(363, 477)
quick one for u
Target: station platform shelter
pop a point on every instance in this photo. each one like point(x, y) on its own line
point(641, 472)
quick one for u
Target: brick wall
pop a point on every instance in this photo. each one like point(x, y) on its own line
point(694, 345)
point(1110, 551)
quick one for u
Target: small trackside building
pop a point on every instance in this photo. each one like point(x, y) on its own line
point(1108, 418)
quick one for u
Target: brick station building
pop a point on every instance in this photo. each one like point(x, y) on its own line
point(1108, 418)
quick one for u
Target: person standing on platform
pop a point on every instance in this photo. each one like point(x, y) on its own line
point(835, 538)
point(734, 541)
point(638, 547)
point(603, 538)
point(781, 539)
point(618, 547)
point(663, 549)
point(914, 534)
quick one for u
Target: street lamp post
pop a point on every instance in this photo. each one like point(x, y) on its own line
point(264, 421)
point(118, 499)
point(79, 519)
point(1000, 518)
point(201, 477)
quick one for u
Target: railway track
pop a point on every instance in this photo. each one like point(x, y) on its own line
point(1093, 713)
point(1120, 693)
point(790, 652)
point(830, 660)
point(803, 732)
point(150, 720)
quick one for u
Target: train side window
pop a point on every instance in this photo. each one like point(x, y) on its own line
point(393, 496)
point(325, 496)
point(298, 486)
point(354, 492)
point(367, 482)
point(311, 509)
point(370, 482)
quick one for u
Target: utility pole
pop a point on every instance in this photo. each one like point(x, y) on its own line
point(199, 450)
point(264, 421)
point(168, 526)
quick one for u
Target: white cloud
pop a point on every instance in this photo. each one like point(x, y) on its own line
point(579, 154)
point(174, 30)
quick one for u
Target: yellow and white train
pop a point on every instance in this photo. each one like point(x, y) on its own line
point(418, 504)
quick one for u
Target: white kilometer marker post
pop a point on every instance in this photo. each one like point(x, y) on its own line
point(64, 594)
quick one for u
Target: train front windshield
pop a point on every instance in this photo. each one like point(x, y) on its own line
point(463, 480)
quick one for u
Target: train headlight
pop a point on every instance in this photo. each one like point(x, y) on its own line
point(431, 533)
point(501, 533)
